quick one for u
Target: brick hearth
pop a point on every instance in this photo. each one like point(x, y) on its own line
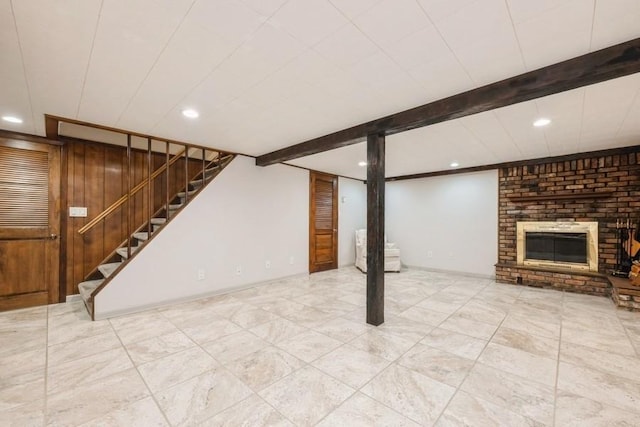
point(616, 179)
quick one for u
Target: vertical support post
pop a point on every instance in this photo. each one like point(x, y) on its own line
point(149, 184)
point(186, 174)
point(167, 182)
point(375, 229)
point(204, 156)
point(128, 195)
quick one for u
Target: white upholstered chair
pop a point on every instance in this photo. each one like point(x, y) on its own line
point(391, 253)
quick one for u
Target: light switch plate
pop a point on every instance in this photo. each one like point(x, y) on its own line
point(77, 212)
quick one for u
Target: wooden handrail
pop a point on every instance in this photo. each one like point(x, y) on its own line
point(115, 205)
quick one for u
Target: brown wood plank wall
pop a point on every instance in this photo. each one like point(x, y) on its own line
point(97, 178)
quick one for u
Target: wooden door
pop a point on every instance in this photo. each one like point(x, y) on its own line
point(323, 222)
point(29, 223)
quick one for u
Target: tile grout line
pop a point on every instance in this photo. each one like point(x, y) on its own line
point(46, 370)
point(555, 387)
point(140, 376)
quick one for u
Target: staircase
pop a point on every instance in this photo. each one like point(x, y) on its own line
point(97, 279)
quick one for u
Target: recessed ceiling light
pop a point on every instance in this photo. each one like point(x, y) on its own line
point(454, 164)
point(190, 113)
point(541, 122)
point(11, 119)
point(362, 163)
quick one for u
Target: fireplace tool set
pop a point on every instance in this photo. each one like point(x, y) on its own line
point(627, 248)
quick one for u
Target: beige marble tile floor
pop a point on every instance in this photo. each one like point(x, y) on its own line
point(454, 351)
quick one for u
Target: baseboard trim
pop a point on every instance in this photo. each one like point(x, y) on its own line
point(161, 304)
point(459, 273)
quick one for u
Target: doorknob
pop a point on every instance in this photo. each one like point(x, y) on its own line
point(53, 236)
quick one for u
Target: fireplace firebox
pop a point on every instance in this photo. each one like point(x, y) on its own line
point(568, 245)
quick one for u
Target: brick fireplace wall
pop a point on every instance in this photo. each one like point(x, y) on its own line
point(618, 175)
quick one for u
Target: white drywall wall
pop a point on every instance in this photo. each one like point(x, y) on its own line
point(248, 215)
point(445, 223)
point(352, 215)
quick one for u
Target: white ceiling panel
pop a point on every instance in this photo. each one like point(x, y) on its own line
point(474, 21)
point(489, 131)
point(309, 21)
point(488, 58)
point(14, 93)
point(269, 74)
point(346, 47)
point(179, 69)
point(127, 43)
point(566, 34)
point(265, 7)
point(56, 42)
point(439, 10)
point(391, 20)
point(418, 48)
point(442, 77)
point(524, 10)
point(615, 21)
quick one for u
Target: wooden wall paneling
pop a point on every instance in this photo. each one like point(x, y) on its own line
point(64, 232)
point(94, 201)
point(113, 225)
point(77, 198)
point(53, 247)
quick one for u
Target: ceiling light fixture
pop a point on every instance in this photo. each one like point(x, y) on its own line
point(12, 119)
point(362, 164)
point(454, 164)
point(190, 113)
point(541, 122)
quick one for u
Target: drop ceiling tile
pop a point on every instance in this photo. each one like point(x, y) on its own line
point(630, 127)
point(391, 20)
point(474, 21)
point(490, 133)
point(354, 8)
point(492, 57)
point(309, 21)
point(14, 92)
point(231, 19)
point(518, 120)
point(342, 161)
point(56, 43)
point(418, 48)
point(525, 10)
point(376, 69)
point(346, 46)
point(615, 21)
point(439, 10)
point(179, 69)
point(265, 7)
point(567, 34)
point(442, 77)
point(129, 39)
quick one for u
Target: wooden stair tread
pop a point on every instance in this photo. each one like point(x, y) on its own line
point(87, 288)
point(188, 193)
point(108, 269)
point(124, 253)
point(141, 235)
point(158, 221)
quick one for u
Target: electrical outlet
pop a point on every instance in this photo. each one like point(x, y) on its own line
point(429, 254)
point(291, 260)
point(238, 270)
point(201, 275)
point(267, 264)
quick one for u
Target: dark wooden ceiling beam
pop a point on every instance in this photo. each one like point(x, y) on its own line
point(595, 67)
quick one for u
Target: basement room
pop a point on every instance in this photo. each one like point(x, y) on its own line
point(320, 213)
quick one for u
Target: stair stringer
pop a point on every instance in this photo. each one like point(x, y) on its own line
point(90, 302)
point(245, 215)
